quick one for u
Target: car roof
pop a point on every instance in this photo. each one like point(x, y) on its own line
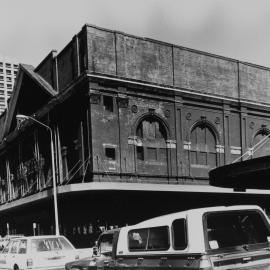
point(39, 237)
point(9, 236)
point(111, 231)
point(197, 211)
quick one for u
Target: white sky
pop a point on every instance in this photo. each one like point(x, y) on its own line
point(30, 29)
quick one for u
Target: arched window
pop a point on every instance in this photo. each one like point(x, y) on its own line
point(263, 144)
point(203, 147)
point(152, 136)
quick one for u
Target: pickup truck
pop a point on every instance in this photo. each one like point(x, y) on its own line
point(213, 238)
point(102, 252)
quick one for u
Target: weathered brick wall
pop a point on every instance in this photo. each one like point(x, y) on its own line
point(105, 132)
point(254, 83)
point(120, 55)
point(234, 128)
point(101, 51)
point(144, 60)
point(130, 57)
point(118, 129)
point(66, 66)
point(46, 68)
point(204, 73)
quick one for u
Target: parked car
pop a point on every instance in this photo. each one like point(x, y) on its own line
point(37, 252)
point(102, 252)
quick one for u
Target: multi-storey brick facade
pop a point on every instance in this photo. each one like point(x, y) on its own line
point(137, 126)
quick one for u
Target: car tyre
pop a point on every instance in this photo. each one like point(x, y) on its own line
point(16, 267)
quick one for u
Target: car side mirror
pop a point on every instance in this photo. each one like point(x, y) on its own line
point(95, 251)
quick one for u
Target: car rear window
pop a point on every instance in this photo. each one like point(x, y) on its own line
point(149, 239)
point(50, 244)
point(236, 228)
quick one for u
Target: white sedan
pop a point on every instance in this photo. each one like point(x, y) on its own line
point(37, 252)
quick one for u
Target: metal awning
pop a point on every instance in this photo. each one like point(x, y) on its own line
point(248, 174)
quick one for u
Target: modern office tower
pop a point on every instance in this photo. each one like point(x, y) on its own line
point(8, 72)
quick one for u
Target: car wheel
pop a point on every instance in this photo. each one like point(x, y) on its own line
point(16, 267)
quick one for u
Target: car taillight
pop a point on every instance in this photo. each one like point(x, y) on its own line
point(29, 262)
point(205, 263)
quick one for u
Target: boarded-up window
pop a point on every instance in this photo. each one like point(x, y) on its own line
point(153, 136)
point(140, 154)
point(263, 145)
point(108, 103)
point(203, 147)
point(110, 153)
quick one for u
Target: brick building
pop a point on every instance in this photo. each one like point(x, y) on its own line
point(137, 125)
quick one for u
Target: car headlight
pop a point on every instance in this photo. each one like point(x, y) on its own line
point(92, 263)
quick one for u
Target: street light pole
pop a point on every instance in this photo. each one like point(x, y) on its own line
point(26, 117)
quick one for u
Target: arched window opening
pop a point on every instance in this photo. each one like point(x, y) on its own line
point(263, 147)
point(203, 147)
point(152, 137)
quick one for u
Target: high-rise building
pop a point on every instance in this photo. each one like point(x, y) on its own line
point(8, 72)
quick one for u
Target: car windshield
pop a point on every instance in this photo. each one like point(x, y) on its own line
point(236, 228)
point(50, 244)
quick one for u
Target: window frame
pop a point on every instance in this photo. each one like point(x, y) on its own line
point(147, 240)
point(103, 236)
point(232, 248)
point(108, 107)
point(265, 149)
point(186, 234)
point(107, 146)
point(15, 244)
point(20, 246)
point(198, 152)
point(6, 249)
point(150, 146)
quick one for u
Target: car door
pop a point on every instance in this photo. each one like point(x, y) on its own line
point(11, 258)
point(4, 254)
point(21, 259)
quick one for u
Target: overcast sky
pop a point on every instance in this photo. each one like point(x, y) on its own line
point(240, 29)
